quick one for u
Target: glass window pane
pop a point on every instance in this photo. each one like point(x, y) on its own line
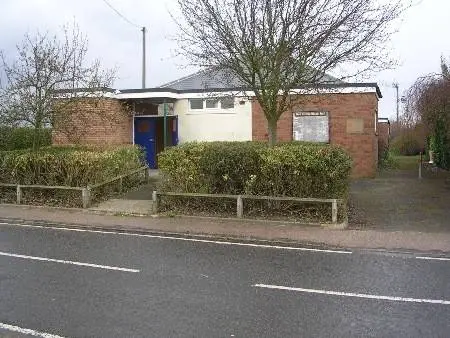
point(196, 103)
point(227, 103)
point(212, 103)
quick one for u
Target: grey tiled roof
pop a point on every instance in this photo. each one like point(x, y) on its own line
point(205, 79)
point(219, 79)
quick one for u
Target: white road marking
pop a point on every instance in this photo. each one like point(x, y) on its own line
point(27, 331)
point(356, 295)
point(433, 258)
point(185, 239)
point(44, 259)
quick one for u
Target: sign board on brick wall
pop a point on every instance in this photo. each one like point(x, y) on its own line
point(311, 127)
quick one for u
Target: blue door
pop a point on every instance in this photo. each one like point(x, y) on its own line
point(145, 136)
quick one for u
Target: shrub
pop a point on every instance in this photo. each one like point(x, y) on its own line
point(439, 142)
point(22, 138)
point(320, 171)
point(67, 166)
point(406, 144)
point(387, 161)
point(291, 169)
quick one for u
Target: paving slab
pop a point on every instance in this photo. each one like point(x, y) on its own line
point(124, 206)
point(238, 229)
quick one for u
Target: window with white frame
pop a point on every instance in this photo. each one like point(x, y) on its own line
point(195, 104)
point(211, 103)
point(225, 104)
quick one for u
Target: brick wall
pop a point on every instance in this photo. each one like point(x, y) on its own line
point(362, 146)
point(383, 129)
point(94, 121)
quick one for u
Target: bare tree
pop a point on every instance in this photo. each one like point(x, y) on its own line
point(275, 46)
point(428, 103)
point(428, 99)
point(43, 81)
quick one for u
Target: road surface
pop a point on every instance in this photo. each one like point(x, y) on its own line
point(62, 282)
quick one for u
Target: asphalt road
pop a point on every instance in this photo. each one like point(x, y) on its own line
point(67, 283)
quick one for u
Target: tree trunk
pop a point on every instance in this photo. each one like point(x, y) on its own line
point(272, 126)
point(36, 138)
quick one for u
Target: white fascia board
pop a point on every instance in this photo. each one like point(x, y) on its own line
point(146, 95)
point(204, 95)
point(312, 91)
point(337, 90)
point(83, 95)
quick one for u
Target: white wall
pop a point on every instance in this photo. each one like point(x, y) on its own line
point(214, 125)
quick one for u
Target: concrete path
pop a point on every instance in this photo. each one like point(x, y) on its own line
point(135, 201)
point(239, 229)
point(125, 206)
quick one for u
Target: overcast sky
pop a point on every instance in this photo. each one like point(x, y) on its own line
point(422, 38)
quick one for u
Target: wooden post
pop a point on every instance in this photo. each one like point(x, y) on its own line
point(239, 207)
point(120, 185)
point(147, 175)
point(19, 194)
point(420, 166)
point(86, 197)
point(155, 202)
point(334, 211)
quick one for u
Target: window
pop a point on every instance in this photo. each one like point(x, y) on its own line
point(227, 103)
point(196, 103)
point(311, 127)
point(212, 103)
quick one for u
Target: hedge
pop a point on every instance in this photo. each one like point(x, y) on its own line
point(406, 144)
point(67, 166)
point(292, 169)
point(22, 138)
point(252, 168)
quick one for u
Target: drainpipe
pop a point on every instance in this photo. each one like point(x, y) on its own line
point(165, 124)
point(132, 121)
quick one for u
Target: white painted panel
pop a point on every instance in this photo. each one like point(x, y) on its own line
point(214, 124)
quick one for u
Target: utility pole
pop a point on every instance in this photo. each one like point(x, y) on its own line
point(395, 85)
point(143, 57)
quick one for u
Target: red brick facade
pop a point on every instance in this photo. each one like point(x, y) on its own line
point(362, 145)
point(94, 121)
point(383, 131)
point(352, 119)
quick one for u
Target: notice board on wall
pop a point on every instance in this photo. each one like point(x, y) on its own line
point(311, 127)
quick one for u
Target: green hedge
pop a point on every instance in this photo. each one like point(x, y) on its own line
point(22, 138)
point(68, 166)
point(291, 169)
point(405, 144)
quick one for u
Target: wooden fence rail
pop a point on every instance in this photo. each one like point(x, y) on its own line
point(85, 191)
point(240, 201)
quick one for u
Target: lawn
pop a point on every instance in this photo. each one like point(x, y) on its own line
point(406, 162)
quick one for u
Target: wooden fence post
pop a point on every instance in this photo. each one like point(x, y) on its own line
point(86, 197)
point(19, 194)
point(334, 211)
point(147, 175)
point(155, 202)
point(120, 185)
point(420, 166)
point(239, 207)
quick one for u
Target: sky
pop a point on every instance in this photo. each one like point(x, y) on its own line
point(421, 39)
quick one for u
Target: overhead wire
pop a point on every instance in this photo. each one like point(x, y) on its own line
point(120, 14)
